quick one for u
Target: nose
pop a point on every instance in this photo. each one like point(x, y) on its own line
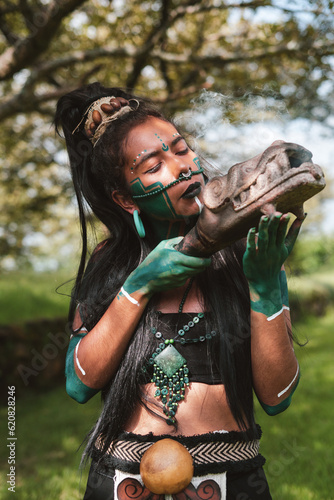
point(182, 169)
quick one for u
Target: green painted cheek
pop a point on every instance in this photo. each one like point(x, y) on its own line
point(159, 205)
point(197, 163)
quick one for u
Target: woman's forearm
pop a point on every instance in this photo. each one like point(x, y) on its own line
point(99, 353)
point(274, 364)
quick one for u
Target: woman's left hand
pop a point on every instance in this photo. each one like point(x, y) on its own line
point(265, 255)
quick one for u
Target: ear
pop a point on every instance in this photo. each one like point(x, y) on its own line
point(124, 200)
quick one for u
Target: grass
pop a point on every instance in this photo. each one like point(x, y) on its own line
point(30, 295)
point(50, 428)
point(298, 444)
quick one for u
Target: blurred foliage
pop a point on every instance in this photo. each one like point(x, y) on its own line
point(311, 254)
point(27, 295)
point(166, 49)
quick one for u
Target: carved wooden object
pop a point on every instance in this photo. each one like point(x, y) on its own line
point(282, 178)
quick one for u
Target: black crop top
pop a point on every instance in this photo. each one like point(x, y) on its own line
point(196, 353)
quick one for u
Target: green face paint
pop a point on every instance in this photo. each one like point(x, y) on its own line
point(149, 191)
point(159, 205)
point(197, 163)
point(137, 157)
point(154, 201)
point(164, 146)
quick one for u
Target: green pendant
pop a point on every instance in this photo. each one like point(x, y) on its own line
point(170, 371)
point(169, 360)
point(170, 378)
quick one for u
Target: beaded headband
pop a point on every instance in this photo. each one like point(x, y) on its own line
point(101, 112)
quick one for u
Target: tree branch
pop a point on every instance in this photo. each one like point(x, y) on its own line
point(8, 9)
point(148, 45)
point(42, 32)
point(220, 60)
point(167, 19)
point(193, 89)
point(183, 10)
point(27, 13)
point(192, 76)
point(26, 100)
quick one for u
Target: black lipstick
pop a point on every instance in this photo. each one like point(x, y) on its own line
point(193, 190)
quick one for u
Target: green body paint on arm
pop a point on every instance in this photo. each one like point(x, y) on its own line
point(268, 301)
point(284, 288)
point(75, 388)
point(274, 299)
point(263, 260)
point(282, 406)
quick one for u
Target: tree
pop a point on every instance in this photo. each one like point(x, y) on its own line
point(166, 49)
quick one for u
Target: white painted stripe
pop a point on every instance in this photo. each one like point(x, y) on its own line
point(288, 387)
point(270, 318)
point(77, 360)
point(81, 329)
point(131, 299)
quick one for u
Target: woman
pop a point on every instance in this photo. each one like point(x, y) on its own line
point(177, 344)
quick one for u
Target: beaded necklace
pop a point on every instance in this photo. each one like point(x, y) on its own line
point(170, 371)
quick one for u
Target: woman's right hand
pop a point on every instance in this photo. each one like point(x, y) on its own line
point(164, 268)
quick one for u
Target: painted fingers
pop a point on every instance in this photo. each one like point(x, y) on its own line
point(165, 268)
point(293, 233)
point(272, 234)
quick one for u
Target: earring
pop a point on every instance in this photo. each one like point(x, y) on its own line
point(138, 224)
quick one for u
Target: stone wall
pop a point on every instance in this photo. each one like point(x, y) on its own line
point(32, 355)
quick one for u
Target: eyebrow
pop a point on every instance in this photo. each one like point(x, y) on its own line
point(155, 153)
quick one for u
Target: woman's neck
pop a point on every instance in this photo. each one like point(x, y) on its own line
point(166, 229)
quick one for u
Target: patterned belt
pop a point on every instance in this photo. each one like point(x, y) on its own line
point(212, 452)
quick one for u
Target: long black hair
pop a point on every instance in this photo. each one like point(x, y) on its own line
point(96, 172)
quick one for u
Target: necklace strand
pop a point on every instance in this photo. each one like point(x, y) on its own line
point(170, 370)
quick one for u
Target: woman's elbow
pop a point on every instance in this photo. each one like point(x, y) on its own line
point(273, 410)
point(78, 391)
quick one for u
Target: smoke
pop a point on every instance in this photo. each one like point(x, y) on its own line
point(228, 130)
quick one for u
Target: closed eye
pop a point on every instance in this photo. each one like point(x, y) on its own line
point(153, 169)
point(183, 152)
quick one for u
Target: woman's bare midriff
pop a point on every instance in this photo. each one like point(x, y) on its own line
point(203, 410)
